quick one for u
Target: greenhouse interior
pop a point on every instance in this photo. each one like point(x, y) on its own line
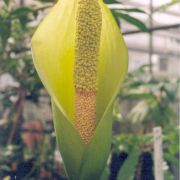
point(70, 108)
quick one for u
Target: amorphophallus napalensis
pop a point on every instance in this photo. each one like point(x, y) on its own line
point(81, 58)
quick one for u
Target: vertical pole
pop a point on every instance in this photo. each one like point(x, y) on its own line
point(150, 34)
point(158, 153)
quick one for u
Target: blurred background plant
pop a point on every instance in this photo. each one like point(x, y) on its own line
point(146, 102)
point(27, 141)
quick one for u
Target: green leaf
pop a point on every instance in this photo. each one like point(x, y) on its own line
point(167, 5)
point(5, 168)
point(132, 20)
point(22, 13)
point(69, 142)
point(7, 2)
point(97, 151)
point(83, 161)
point(5, 30)
point(132, 10)
point(171, 158)
point(111, 1)
point(139, 112)
point(105, 174)
point(128, 169)
point(137, 96)
point(168, 175)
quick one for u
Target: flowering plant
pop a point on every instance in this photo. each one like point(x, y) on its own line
point(81, 58)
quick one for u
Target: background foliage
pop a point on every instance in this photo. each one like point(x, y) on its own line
point(30, 142)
